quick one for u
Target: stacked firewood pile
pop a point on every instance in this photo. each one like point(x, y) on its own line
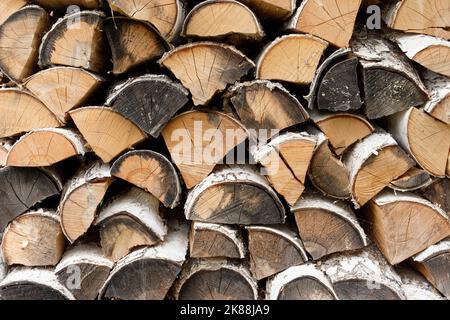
point(222, 149)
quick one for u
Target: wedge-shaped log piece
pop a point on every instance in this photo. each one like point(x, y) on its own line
point(413, 16)
point(209, 240)
point(328, 19)
point(437, 192)
point(293, 58)
point(107, 131)
point(63, 88)
point(76, 40)
point(166, 15)
point(148, 273)
point(363, 275)
point(373, 164)
point(88, 262)
point(21, 189)
point(272, 9)
point(63, 4)
point(198, 140)
point(304, 282)
point(206, 68)
point(391, 83)
point(426, 139)
point(273, 249)
point(262, 104)
point(22, 112)
point(132, 43)
point(8, 7)
point(20, 36)
point(45, 147)
point(23, 283)
point(152, 172)
point(215, 279)
point(81, 197)
point(286, 159)
point(416, 287)
point(227, 20)
point(34, 239)
point(326, 172)
point(130, 220)
point(404, 224)
point(342, 129)
point(434, 263)
point(235, 195)
point(439, 90)
point(149, 101)
point(413, 179)
point(327, 226)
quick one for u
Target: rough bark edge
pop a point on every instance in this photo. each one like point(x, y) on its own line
point(419, 186)
point(412, 44)
point(439, 88)
point(83, 253)
point(416, 287)
point(434, 250)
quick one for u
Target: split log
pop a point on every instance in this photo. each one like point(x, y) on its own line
point(304, 282)
point(272, 10)
point(437, 192)
point(5, 146)
point(62, 89)
point(34, 239)
point(391, 83)
point(148, 273)
point(286, 159)
point(33, 284)
point(426, 139)
point(373, 164)
point(130, 220)
point(412, 16)
point(326, 172)
point(433, 263)
point(76, 40)
point(404, 224)
point(215, 279)
point(166, 16)
point(22, 112)
point(152, 172)
point(198, 140)
point(327, 226)
point(208, 240)
point(149, 101)
point(235, 195)
point(342, 129)
point(132, 43)
point(222, 20)
point(439, 90)
point(363, 275)
point(206, 68)
point(8, 7)
point(107, 132)
point(252, 100)
point(416, 287)
point(430, 52)
point(21, 189)
point(292, 58)
point(81, 197)
point(413, 179)
point(330, 20)
point(45, 147)
point(273, 249)
point(63, 4)
point(83, 270)
point(20, 36)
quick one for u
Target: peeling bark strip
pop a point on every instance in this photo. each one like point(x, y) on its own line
point(149, 101)
point(20, 36)
point(328, 19)
point(206, 68)
point(439, 91)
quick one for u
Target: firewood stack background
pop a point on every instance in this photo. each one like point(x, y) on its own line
point(222, 149)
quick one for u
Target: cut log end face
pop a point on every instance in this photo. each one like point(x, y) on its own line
point(435, 269)
point(30, 291)
point(356, 289)
point(212, 243)
point(272, 10)
point(305, 288)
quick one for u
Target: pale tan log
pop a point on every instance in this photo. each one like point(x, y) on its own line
point(8, 7)
point(206, 68)
point(411, 180)
point(81, 197)
point(34, 239)
point(63, 88)
point(5, 146)
point(107, 132)
point(404, 224)
point(328, 19)
point(198, 140)
point(272, 10)
point(292, 58)
point(438, 88)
